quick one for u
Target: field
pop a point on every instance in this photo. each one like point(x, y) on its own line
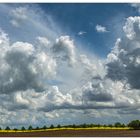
point(73, 132)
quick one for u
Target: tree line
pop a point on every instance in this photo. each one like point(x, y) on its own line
point(135, 124)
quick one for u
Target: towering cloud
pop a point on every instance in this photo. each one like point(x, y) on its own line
point(124, 61)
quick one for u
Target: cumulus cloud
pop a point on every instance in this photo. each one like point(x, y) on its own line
point(64, 49)
point(101, 29)
point(97, 93)
point(89, 85)
point(124, 59)
point(23, 67)
point(26, 67)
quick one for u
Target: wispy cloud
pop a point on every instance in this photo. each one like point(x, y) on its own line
point(81, 33)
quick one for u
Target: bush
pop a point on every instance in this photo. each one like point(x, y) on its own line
point(135, 124)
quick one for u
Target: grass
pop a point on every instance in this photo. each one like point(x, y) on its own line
point(63, 128)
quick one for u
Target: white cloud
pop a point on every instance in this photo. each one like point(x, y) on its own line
point(101, 29)
point(88, 85)
point(123, 66)
point(26, 69)
point(136, 5)
point(125, 63)
point(20, 12)
point(4, 40)
point(23, 67)
point(30, 68)
point(51, 115)
point(81, 33)
point(18, 98)
point(19, 15)
point(64, 49)
point(132, 27)
point(43, 40)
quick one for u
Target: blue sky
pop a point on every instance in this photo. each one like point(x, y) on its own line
point(69, 63)
point(74, 18)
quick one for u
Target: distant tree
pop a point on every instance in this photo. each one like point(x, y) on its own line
point(15, 129)
point(73, 126)
point(44, 127)
point(69, 126)
point(66, 126)
point(37, 128)
point(0, 128)
point(123, 125)
point(98, 125)
point(135, 124)
point(95, 125)
point(90, 125)
point(30, 127)
point(58, 126)
point(79, 126)
point(7, 128)
point(51, 126)
point(84, 125)
point(110, 125)
point(117, 124)
point(22, 128)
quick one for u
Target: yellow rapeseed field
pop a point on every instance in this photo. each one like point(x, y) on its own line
point(63, 128)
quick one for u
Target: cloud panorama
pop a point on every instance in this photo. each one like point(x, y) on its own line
point(47, 80)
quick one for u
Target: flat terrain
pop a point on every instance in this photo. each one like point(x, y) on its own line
point(75, 133)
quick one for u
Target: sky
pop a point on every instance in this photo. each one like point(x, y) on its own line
point(69, 64)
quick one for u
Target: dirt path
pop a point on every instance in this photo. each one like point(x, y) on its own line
point(75, 133)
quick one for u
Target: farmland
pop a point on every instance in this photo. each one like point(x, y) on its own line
point(131, 129)
point(73, 132)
